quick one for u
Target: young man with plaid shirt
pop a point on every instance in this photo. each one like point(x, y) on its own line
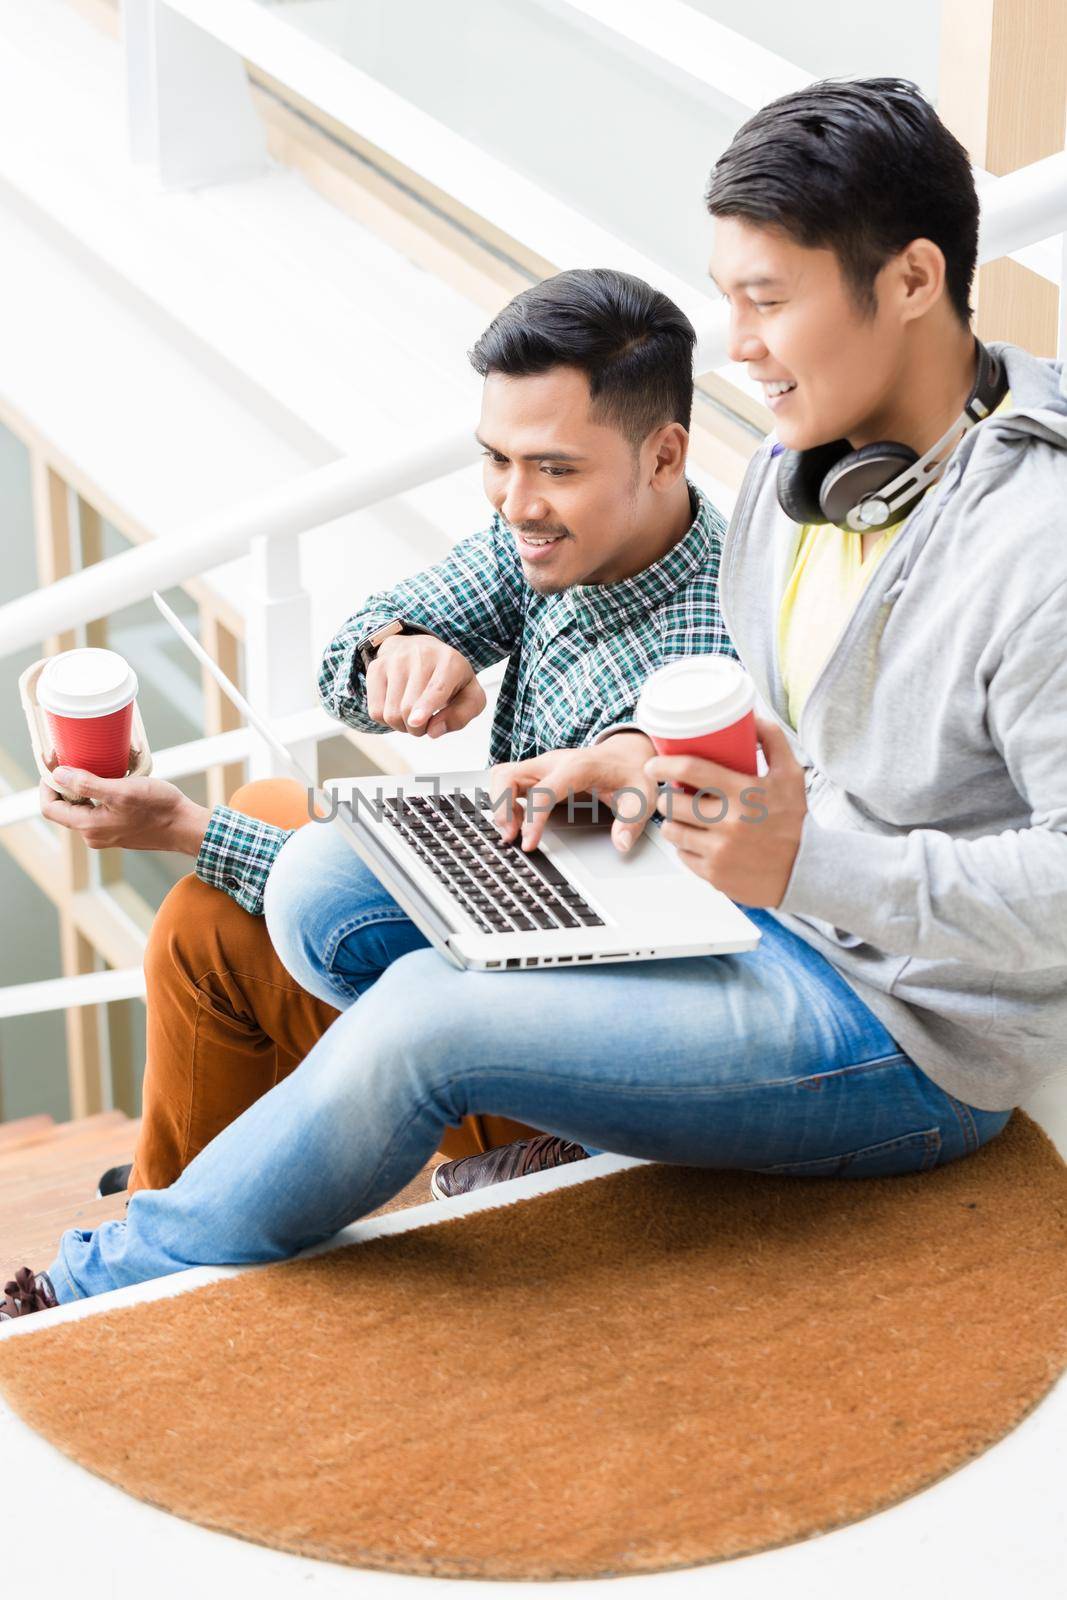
point(600, 563)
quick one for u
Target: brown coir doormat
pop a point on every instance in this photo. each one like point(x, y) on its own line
point(659, 1368)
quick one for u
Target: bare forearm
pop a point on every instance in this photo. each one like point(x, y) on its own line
point(189, 827)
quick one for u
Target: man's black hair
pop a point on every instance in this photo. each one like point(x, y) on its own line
point(860, 168)
point(632, 342)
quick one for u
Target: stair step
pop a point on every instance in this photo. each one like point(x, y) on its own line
point(73, 1189)
point(24, 1172)
point(25, 1130)
point(35, 1241)
point(97, 1120)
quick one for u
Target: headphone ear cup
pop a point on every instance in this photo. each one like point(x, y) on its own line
point(863, 472)
point(800, 479)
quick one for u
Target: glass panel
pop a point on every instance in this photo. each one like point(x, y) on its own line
point(33, 1050)
point(622, 138)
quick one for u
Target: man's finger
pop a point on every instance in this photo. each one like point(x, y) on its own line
point(435, 694)
point(504, 786)
point(377, 683)
point(396, 679)
point(463, 708)
point(541, 800)
point(634, 805)
point(686, 839)
point(86, 785)
point(54, 808)
point(699, 773)
point(776, 746)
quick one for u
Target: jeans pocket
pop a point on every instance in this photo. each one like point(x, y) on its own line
point(912, 1152)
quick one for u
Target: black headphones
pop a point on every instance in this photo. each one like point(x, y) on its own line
point(865, 490)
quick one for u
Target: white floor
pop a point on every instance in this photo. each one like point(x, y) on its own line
point(991, 1529)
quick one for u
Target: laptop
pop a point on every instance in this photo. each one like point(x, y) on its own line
point(431, 841)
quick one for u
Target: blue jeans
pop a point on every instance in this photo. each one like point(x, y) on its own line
point(765, 1061)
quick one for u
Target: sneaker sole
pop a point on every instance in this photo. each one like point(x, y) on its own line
point(435, 1188)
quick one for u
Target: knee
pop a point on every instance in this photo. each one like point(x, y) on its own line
point(296, 902)
point(284, 901)
point(185, 925)
point(397, 1043)
point(421, 1024)
point(280, 801)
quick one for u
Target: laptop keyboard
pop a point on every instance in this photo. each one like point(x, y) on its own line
point(502, 887)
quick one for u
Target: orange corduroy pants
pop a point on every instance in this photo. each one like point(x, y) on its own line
point(226, 1021)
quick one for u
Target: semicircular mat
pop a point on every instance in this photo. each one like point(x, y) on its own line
point(658, 1368)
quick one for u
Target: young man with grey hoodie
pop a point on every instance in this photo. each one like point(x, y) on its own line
point(910, 876)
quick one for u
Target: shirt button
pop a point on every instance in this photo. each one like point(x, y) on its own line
point(231, 883)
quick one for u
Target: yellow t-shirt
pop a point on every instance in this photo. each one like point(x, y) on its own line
point(824, 586)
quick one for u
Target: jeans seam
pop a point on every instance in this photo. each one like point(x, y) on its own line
point(968, 1128)
point(852, 1066)
point(68, 1280)
point(778, 1083)
point(692, 1091)
point(931, 1146)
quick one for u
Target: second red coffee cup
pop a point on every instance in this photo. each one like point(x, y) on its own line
point(87, 697)
point(701, 706)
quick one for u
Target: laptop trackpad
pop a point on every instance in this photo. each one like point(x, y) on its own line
point(601, 860)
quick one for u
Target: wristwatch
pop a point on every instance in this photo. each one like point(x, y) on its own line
point(369, 648)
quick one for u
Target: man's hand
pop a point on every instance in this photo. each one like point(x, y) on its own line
point(602, 770)
point(748, 855)
point(418, 684)
point(132, 813)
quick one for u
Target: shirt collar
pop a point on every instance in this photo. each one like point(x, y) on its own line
point(597, 607)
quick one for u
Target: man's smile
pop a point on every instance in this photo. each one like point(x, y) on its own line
point(538, 546)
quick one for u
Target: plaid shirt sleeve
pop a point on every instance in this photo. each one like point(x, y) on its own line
point(237, 854)
point(473, 600)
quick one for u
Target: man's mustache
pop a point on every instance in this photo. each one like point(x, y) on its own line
point(537, 530)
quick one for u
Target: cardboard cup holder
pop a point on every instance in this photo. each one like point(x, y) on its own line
point(44, 753)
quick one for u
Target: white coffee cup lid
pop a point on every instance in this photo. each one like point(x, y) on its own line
point(693, 696)
point(86, 683)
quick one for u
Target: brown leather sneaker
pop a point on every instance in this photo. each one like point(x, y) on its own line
point(506, 1161)
point(28, 1291)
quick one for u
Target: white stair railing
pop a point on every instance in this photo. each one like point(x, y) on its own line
point(305, 502)
point(184, 760)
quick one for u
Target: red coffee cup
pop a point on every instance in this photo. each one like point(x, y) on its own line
point(87, 697)
point(701, 706)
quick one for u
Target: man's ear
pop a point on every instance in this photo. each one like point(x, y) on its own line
point(667, 449)
point(918, 278)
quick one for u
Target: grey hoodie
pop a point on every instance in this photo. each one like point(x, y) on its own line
point(932, 870)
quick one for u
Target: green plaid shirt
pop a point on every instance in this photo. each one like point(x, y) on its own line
point(576, 660)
